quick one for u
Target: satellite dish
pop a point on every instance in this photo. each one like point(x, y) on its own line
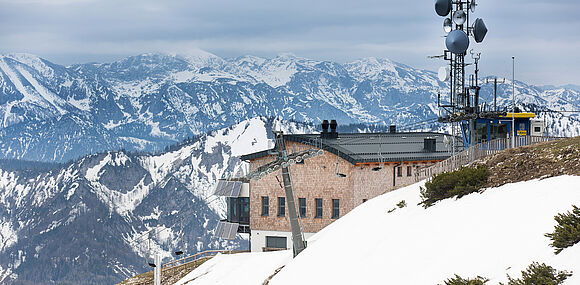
point(457, 42)
point(459, 17)
point(446, 141)
point(443, 73)
point(472, 6)
point(442, 7)
point(447, 25)
point(479, 30)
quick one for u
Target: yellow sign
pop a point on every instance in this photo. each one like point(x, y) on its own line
point(522, 132)
point(520, 115)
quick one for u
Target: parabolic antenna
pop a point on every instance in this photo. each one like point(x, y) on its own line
point(447, 25)
point(459, 17)
point(472, 6)
point(479, 30)
point(443, 73)
point(457, 42)
point(442, 7)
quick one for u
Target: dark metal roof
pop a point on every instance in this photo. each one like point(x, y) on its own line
point(372, 147)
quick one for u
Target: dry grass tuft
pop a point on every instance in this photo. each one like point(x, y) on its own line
point(543, 160)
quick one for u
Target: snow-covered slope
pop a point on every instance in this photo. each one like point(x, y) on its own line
point(498, 232)
point(87, 222)
point(50, 112)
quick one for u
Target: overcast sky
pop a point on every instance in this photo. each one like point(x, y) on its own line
point(544, 36)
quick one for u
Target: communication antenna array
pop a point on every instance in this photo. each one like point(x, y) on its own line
point(463, 96)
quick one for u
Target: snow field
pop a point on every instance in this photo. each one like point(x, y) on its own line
point(490, 234)
point(498, 232)
point(240, 268)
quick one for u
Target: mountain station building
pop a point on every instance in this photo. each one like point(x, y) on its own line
point(347, 170)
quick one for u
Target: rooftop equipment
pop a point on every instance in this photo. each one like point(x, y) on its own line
point(430, 144)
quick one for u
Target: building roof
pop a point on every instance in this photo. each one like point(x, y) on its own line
point(372, 147)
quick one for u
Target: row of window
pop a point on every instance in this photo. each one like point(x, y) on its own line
point(400, 171)
point(301, 207)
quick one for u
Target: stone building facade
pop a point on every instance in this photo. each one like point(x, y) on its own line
point(353, 168)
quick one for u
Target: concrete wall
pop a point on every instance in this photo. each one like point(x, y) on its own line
point(258, 238)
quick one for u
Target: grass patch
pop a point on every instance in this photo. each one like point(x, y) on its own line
point(169, 276)
point(567, 231)
point(543, 160)
point(456, 183)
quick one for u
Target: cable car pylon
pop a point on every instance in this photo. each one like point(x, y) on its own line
point(284, 161)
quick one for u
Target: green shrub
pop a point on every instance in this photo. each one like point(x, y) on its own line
point(455, 183)
point(567, 231)
point(401, 204)
point(539, 274)
point(458, 280)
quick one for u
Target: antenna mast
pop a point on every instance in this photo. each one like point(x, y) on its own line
point(463, 105)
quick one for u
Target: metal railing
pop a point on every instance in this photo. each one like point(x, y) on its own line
point(476, 152)
point(196, 257)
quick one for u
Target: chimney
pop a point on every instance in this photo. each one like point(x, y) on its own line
point(393, 129)
point(325, 126)
point(333, 133)
point(333, 125)
point(430, 145)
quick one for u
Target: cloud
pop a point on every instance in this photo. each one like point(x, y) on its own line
point(70, 31)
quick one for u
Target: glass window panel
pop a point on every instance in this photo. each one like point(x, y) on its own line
point(318, 202)
point(281, 206)
point(335, 208)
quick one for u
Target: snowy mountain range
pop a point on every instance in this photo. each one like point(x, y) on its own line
point(50, 112)
point(96, 220)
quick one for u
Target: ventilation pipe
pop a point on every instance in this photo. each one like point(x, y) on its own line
point(325, 126)
point(430, 145)
point(326, 134)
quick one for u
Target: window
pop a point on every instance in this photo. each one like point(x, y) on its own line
point(318, 202)
point(537, 129)
point(302, 207)
point(238, 210)
point(265, 206)
point(281, 206)
point(335, 208)
point(408, 170)
point(244, 203)
point(275, 242)
point(399, 172)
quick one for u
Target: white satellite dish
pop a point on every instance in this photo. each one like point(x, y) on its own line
point(443, 73)
point(459, 17)
point(447, 25)
point(472, 6)
point(446, 141)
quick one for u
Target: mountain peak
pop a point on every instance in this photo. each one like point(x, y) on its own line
point(28, 59)
point(287, 55)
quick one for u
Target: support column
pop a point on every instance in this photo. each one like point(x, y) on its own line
point(157, 271)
